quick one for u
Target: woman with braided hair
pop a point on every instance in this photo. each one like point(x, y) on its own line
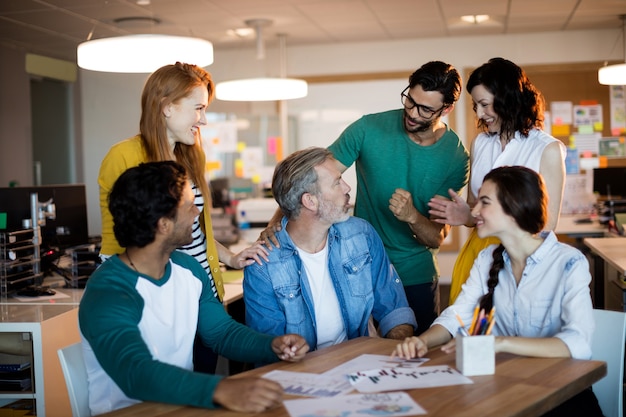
point(538, 286)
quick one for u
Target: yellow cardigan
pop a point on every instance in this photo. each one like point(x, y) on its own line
point(127, 154)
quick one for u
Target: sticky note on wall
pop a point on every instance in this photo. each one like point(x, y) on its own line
point(560, 130)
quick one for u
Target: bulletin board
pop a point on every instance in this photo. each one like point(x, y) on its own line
point(575, 82)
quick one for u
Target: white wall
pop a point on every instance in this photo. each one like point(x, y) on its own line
point(111, 102)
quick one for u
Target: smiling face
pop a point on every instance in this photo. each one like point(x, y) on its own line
point(483, 106)
point(334, 194)
point(491, 220)
point(184, 118)
point(429, 103)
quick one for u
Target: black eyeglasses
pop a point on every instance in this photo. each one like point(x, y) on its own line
point(425, 112)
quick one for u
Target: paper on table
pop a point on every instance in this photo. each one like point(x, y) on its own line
point(364, 405)
point(337, 380)
point(378, 380)
point(369, 361)
point(310, 385)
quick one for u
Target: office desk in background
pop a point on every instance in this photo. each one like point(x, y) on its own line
point(576, 226)
point(233, 286)
point(610, 267)
point(521, 386)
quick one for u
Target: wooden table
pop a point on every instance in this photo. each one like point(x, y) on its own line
point(571, 226)
point(611, 250)
point(521, 386)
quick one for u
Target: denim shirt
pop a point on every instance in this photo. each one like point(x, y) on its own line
point(278, 297)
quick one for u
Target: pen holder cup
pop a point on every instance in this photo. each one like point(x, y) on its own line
point(475, 355)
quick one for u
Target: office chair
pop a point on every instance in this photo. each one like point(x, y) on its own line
point(608, 345)
point(75, 373)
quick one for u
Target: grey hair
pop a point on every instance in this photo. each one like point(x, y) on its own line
point(294, 176)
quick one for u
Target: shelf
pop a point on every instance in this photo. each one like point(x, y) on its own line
point(20, 263)
point(43, 329)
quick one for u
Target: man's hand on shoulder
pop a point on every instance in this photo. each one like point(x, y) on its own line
point(268, 235)
point(290, 347)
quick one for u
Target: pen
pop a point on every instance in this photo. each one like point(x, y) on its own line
point(490, 326)
point(483, 326)
point(462, 328)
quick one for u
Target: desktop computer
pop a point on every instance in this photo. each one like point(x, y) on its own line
point(27, 256)
point(610, 183)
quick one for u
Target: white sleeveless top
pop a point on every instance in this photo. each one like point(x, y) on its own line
point(524, 151)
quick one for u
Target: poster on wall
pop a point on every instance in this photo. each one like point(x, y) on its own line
point(586, 144)
point(221, 135)
point(252, 161)
point(618, 109)
point(588, 116)
point(561, 112)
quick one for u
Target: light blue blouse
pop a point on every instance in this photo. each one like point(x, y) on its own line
point(552, 299)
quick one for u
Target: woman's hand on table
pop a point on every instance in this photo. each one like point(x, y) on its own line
point(410, 348)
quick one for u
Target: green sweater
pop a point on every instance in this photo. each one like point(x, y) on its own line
point(138, 335)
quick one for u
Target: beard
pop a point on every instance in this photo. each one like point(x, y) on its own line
point(331, 213)
point(419, 126)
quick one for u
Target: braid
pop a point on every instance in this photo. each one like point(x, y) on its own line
point(486, 301)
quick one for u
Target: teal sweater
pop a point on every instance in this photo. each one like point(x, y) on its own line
point(138, 335)
point(386, 158)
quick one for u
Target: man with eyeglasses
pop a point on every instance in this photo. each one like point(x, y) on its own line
point(403, 158)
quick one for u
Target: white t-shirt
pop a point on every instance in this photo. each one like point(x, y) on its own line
point(328, 319)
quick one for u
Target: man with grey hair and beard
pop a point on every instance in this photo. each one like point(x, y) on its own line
point(330, 274)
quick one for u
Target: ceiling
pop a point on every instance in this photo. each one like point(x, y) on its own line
point(54, 28)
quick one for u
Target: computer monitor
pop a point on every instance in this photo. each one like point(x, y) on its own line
point(68, 229)
point(219, 192)
point(610, 183)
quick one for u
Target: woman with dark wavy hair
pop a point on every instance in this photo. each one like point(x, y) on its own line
point(538, 286)
point(509, 111)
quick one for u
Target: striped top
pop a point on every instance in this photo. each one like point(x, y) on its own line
point(197, 248)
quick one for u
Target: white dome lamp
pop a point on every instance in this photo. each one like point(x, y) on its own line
point(264, 88)
point(143, 53)
point(615, 74)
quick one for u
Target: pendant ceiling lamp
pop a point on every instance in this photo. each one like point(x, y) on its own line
point(143, 53)
point(615, 74)
point(263, 89)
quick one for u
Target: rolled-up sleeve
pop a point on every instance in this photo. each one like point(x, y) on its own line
point(577, 313)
